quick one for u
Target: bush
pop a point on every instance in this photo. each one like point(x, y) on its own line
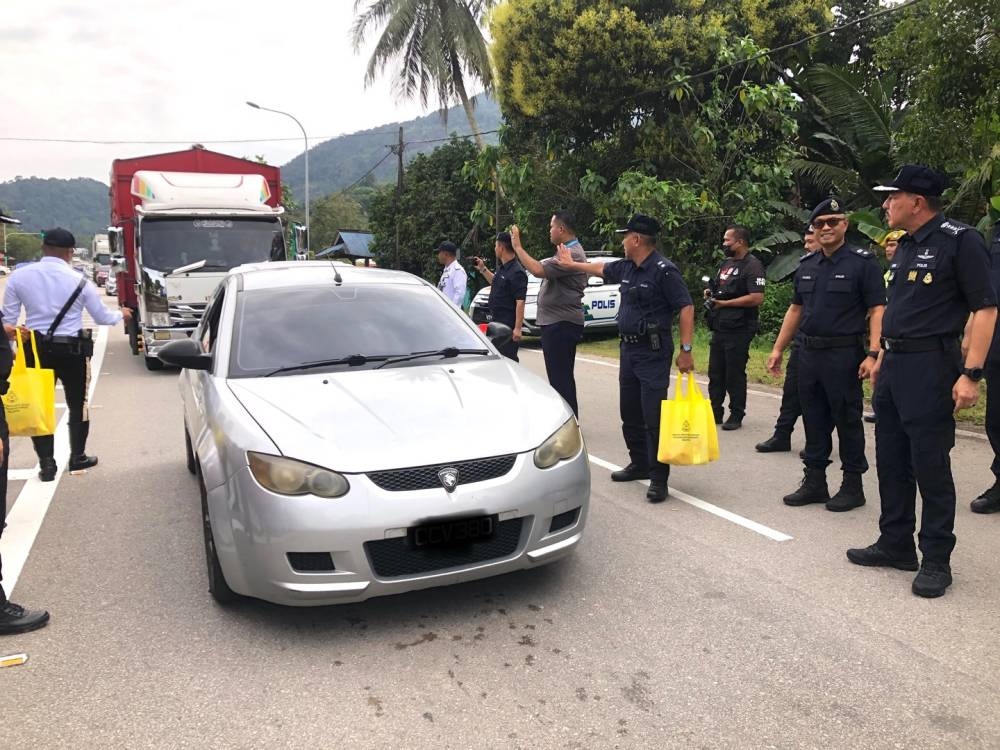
point(777, 298)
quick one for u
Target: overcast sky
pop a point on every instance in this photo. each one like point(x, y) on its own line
point(178, 71)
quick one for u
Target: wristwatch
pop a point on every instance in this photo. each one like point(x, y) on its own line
point(686, 348)
point(873, 353)
point(975, 374)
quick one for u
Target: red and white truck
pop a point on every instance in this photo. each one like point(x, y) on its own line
point(180, 221)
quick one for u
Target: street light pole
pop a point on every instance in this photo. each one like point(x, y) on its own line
point(306, 153)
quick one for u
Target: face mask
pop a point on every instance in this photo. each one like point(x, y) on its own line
point(728, 251)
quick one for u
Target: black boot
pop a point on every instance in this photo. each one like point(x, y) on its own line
point(988, 501)
point(775, 444)
point(630, 473)
point(734, 422)
point(812, 490)
point(850, 495)
point(16, 619)
point(657, 491)
point(78, 458)
point(47, 469)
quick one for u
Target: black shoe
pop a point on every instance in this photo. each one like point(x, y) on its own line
point(630, 473)
point(812, 490)
point(657, 491)
point(47, 469)
point(988, 501)
point(876, 557)
point(850, 495)
point(733, 423)
point(16, 619)
point(774, 444)
point(932, 579)
point(81, 462)
point(870, 417)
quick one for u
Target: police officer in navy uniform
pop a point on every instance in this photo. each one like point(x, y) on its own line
point(508, 289)
point(736, 293)
point(989, 500)
point(651, 291)
point(45, 289)
point(940, 273)
point(790, 410)
point(835, 291)
point(13, 617)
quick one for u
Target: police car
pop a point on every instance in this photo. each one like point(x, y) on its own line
point(600, 302)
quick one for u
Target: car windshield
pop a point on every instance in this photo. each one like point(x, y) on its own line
point(280, 328)
point(222, 243)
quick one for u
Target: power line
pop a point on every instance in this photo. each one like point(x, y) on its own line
point(358, 181)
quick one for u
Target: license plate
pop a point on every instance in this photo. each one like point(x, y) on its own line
point(456, 532)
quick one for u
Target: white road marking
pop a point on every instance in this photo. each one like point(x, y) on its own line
point(28, 511)
point(715, 510)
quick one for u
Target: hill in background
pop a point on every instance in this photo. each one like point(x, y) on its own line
point(79, 204)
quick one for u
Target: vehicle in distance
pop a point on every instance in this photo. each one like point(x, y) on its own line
point(332, 417)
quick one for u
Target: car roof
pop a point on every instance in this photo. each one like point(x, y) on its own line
point(275, 275)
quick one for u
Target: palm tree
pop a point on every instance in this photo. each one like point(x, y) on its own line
point(439, 43)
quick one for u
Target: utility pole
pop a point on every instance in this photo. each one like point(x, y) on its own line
point(399, 188)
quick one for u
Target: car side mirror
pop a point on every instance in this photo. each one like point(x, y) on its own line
point(595, 281)
point(499, 333)
point(185, 353)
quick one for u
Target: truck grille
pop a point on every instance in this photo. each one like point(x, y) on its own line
point(391, 558)
point(186, 314)
point(426, 477)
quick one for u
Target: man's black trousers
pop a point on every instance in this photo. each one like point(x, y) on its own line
point(790, 409)
point(831, 397)
point(643, 377)
point(993, 412)
point(727, 371)
point(73, 371)
point(914, 435)
point(559, 342)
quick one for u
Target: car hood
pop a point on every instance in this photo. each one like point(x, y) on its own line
point(369, 420)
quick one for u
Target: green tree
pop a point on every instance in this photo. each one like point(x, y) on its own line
point(439, 44)
point(331, 214)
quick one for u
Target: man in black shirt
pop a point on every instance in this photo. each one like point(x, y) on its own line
point(989, 500)
point(508, 288)
point(940, 273)
point(736, 292)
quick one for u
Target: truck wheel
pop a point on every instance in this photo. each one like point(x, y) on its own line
point(192, 464)
point(153, 363)
point(132, 329)
point(217, 585)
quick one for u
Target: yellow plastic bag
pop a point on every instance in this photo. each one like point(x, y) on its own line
point(30, 402)
point(687, 427)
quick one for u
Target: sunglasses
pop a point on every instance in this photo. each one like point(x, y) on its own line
point(822, 223)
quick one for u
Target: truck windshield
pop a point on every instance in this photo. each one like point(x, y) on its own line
point(222, 243)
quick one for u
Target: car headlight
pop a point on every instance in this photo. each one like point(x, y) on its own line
point(159, 319)
point(562, 445)
point(286, 476)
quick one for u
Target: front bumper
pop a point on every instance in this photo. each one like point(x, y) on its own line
point(154, 339)
point(364, 533)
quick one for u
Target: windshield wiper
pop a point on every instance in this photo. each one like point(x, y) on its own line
point(354, 360)
point(447, 353)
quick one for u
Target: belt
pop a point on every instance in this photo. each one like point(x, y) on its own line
point(830, 342)
point(926, 344)
point(57, 340)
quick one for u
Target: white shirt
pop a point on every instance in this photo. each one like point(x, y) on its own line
point(453, 283)
point(43, 288)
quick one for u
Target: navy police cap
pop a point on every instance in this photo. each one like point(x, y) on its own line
point(58, 237)
point(829, 207)
point(916, 179)
point(448, 247)
point(641, 224)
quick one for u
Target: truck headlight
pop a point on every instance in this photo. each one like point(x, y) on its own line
point(564, 444)
point(286, 476)
point(159, 319)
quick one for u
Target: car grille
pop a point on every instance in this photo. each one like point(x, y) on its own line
point(426, 477)
point(185, 315)
point(391, 558)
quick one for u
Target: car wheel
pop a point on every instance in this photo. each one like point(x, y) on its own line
point(217, 585)
point(192, 465)
point(153, 363)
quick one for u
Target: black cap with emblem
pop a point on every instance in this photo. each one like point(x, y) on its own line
point(916, 179)
point(829, 207)
point(641, 224)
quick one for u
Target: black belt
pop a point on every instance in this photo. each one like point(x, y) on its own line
point(926, 344)
point(56, 340)
point(830, 342)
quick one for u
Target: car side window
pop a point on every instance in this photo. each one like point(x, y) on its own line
point(210, 325)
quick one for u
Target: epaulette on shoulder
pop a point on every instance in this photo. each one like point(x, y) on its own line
point(864, 252)
point(953, 228)
point(808, 255)
point(661, 264)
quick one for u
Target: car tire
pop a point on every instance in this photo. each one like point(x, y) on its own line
point(192, 463)
point(153, 363)
point(217, 585)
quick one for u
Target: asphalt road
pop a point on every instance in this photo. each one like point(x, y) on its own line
point(671, 626)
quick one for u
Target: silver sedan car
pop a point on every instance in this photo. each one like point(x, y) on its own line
point(354, 435)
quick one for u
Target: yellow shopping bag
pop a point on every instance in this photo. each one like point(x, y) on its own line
point(30, 402)
point(687, 427)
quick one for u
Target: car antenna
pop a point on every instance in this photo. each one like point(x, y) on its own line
point(336, 274)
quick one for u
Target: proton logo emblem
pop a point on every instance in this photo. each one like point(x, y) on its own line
point(448, 478)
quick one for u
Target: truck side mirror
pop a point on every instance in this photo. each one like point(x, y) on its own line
point(116, 240)
point(301, 239)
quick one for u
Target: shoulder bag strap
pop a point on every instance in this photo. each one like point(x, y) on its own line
point(65, 309)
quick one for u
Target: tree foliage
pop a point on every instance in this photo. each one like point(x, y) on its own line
point(331, 214)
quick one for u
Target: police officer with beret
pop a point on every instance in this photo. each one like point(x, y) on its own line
point(736, 293)
point(836, 290)
point(508, 289)
point(54, 297)
point(940, 273)
point(989, 500)
point(651, 292)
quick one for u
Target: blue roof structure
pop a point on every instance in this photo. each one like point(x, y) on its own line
point(349, 244)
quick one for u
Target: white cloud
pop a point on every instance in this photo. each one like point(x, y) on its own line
point(178, 71)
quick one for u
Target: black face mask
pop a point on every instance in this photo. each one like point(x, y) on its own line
point(728, 251)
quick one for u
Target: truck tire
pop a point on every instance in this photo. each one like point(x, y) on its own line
point(132, 330)
point(217, 585)
point(153, 363)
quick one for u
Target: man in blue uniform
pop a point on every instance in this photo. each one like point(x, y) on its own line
point(652, 290)
point(54, 297)
point(940, 273)
point(989, 500)
point(836, 290)
point(736, 293)
point(508, 289)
